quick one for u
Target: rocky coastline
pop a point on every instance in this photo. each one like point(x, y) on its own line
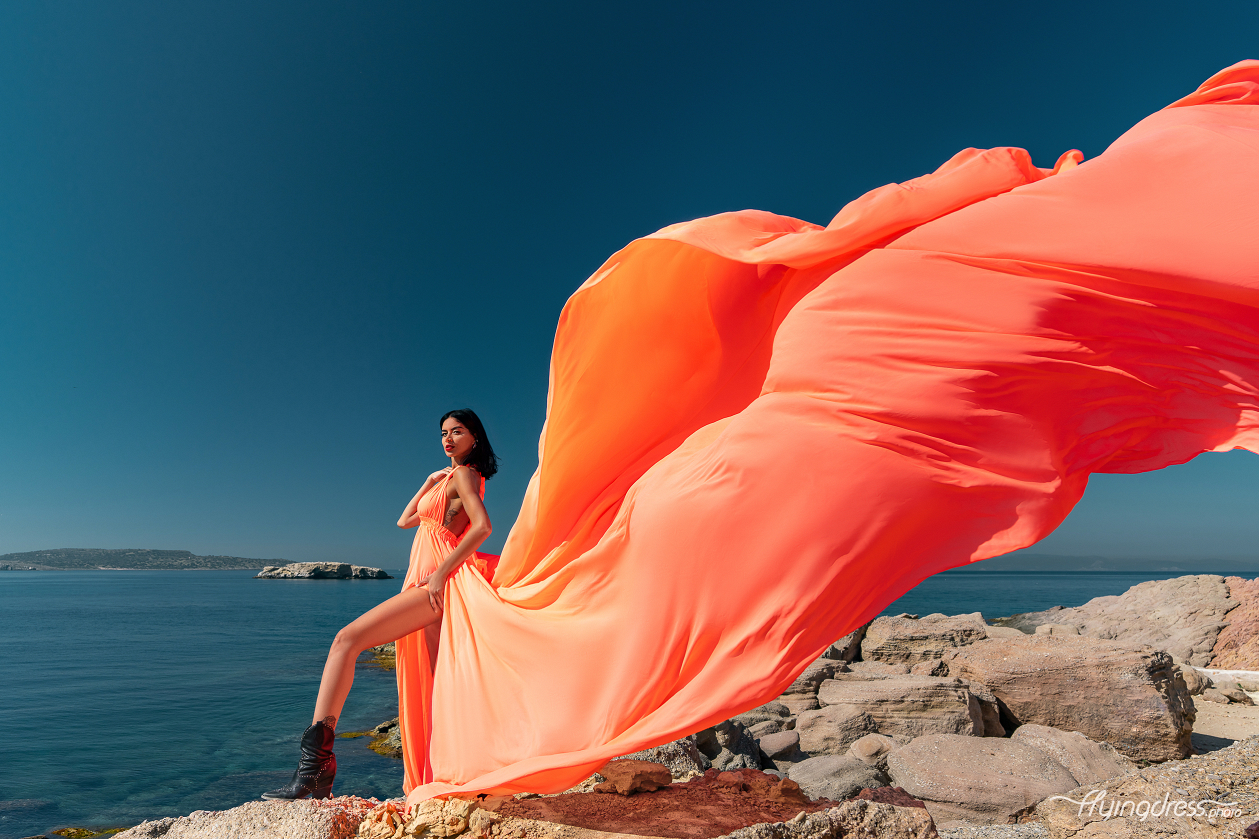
point(1075, 721)
point(124, 559)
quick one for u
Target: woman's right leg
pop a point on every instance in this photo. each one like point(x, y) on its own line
point(400, 615)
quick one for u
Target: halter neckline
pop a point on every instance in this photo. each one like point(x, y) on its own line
point(456, 466)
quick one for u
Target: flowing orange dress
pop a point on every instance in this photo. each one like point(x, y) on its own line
point(433, 542)
point(761, 431)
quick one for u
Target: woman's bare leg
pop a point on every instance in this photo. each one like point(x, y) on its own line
point(400, 615)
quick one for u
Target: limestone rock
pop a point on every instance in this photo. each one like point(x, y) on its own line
point(1088, 761)
point(727, 745)
point(857, 819)
point(767, 718)
point(383, 822)
point(1130, 698)
point(1223, 681)
point(440, 817)
point(883, 821)
point(626, 777)
point(981, 779)
point(1004, 632)
point(387, 739)
point(989, 710)
point(879, 668)
point(1195, 680)
point(781, 749)
point(1142, 805)
point(682, 757)
point(1237, 695)
point(481, 823)
point(930, 667)
point(1057, 629)
point(363, 572)
point(909, 641)
point(801, 695)
point(831, 730)
point(1237, 647)
point(909, 705)
point(848, 647)
point(835, 776)
point(321, 571)
point(872, 749)
point(329, 818)
point(1183, 616)
point(779, 743)
point(1214, 695)
point(768, 727)
point(890, 795)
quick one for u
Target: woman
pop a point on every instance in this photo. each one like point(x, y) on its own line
point(452, 522)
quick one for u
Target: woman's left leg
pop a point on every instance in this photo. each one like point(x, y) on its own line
point(432, 638)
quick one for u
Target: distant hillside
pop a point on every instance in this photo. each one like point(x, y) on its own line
point(131, 559)
point(1242, 567)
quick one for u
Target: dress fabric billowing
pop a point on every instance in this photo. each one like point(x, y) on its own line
point(760, 431)
point(433, 542)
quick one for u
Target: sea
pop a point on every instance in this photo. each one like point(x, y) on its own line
point(134, 695)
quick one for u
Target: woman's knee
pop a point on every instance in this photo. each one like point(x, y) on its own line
point(347, 642)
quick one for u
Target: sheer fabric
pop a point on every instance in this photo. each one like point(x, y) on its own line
point(762, 431)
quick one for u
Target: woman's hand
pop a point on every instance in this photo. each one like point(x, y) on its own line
point(435, 585)
point(409, 518)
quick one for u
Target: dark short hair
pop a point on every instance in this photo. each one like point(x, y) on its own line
point(482, 458)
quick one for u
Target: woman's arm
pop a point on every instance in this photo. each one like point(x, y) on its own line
point(467, 485)
point(408, 517)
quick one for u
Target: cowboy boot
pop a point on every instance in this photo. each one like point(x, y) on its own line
point(317, 768)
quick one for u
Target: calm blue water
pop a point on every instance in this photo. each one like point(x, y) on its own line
point(1000, 593)
point(132, 695)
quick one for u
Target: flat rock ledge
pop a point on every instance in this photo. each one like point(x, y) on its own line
point(331, 818)
point(321, 571)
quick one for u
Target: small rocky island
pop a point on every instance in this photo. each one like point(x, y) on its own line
point(321, 571)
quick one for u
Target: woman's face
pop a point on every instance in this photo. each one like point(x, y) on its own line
point(456, 439)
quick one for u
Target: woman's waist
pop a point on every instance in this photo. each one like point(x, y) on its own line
point(433, 524)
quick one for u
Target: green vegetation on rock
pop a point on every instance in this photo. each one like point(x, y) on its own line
point(385, 656)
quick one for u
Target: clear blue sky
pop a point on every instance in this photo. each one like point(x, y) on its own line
point(250, 251)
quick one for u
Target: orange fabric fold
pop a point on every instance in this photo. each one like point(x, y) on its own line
point(761, 431)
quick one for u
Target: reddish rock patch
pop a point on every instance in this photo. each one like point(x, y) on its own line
point(701, 808)
point(1237, 648)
